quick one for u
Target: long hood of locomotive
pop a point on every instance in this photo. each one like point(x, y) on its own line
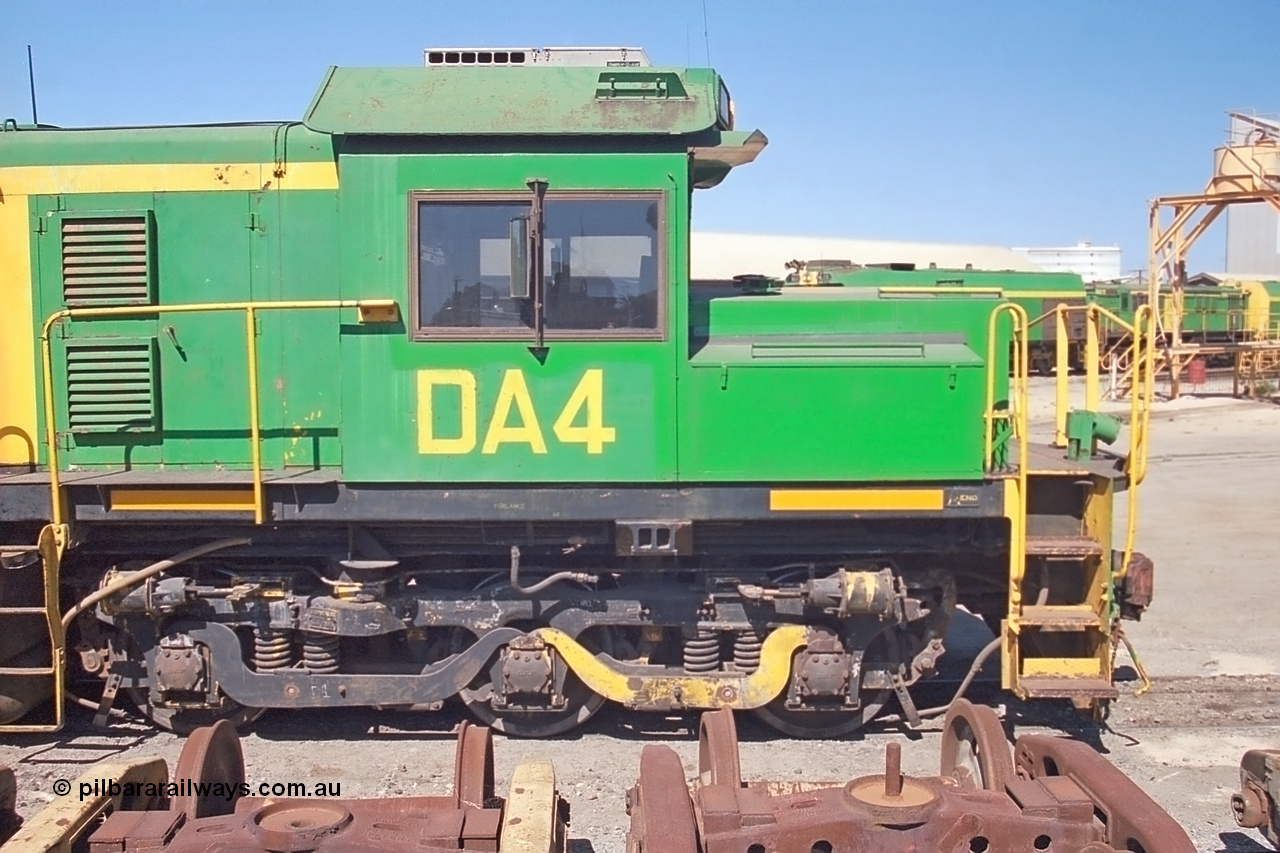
point(823, 384)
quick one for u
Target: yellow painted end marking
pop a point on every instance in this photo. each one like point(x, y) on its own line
point(715, 690)
point(181, 500)
point(854, 500)
point(1062, 667)
point(165, 177)
point(531, 820)
point(17, 338)
point(66, 819)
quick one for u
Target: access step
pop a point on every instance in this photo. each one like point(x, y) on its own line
point(27, 671)
point(1047, 687)
point(1064, 547)
point(1060, 617)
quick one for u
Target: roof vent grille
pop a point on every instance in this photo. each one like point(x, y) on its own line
point(506, 57)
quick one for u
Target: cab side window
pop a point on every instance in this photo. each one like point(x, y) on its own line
point(464, 266)
point(601, 262)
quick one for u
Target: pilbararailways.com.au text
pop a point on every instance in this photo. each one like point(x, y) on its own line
point(190, 788)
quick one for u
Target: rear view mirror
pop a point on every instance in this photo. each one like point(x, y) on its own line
point(520, 268)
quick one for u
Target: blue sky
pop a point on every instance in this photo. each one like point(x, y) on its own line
point(1013, 123)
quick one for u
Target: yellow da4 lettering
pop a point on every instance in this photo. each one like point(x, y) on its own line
point(440, 431)
point(588, 395)
point(514, 391)
point(465, 382)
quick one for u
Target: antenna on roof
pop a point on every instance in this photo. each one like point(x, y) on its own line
point(706, 31)
point(31, 78)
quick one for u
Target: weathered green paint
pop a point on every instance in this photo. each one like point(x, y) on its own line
point(459, 101)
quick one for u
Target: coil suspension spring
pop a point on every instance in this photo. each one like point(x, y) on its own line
point(272, 649)
point(320, 653)
point(702, 652)
point(746, 650)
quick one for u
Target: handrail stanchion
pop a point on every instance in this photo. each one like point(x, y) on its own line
point(1062, 371)
point(1092, 322)
point(255, 429)
point(1140, 398)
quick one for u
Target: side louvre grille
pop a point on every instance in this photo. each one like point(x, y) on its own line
point(106, 260)
point(111, 386)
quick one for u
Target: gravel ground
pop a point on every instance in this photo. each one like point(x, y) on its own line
point(1208, 519)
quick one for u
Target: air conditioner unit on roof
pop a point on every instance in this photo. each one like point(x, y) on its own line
point(482, 57)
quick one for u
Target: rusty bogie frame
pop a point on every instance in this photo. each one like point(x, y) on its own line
point(1050, 794)
point(471, 818)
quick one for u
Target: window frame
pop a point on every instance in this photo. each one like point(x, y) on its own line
point(420, 332)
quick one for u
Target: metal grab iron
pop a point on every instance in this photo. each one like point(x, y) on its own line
point(1054, 794)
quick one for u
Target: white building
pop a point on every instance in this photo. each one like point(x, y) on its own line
point(1090, 262)
point(722, 256)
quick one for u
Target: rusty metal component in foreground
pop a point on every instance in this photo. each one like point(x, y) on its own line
point(1255, 804)
point(531, 820)
point(1059, 796)
point(10, 820)
point(59, 825)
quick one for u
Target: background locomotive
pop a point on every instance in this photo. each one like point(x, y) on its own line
point(1213, 311)
point(414, 399)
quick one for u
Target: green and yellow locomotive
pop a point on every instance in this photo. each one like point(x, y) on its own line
point(1214, 310)
point(413, 400)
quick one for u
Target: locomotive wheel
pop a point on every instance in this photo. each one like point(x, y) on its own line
point(581, 704)
point(827, 722)
point(975, 750)
point(822, 724)
point(184, 721)
point(211, 755)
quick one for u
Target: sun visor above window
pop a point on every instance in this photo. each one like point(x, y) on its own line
point(710, 163)
point(470, 101)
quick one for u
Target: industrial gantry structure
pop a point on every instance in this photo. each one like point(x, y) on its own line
point(1245, 171)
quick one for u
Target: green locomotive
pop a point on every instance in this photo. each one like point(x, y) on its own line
point(1214, 311)
point(413, 400)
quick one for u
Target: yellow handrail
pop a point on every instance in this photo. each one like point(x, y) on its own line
point(1141, 396)
point(1019, 384)
point(1015, 506)
point(251, 350)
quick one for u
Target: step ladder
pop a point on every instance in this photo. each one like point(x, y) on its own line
point(1057, 634)
point(36, 673)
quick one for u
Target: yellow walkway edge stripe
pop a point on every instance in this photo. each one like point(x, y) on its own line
point(164, 500)
point(722, 690)
point(870, 500)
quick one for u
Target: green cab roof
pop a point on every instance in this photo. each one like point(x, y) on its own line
point(518, 101)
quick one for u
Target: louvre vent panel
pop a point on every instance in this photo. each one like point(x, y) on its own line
point(111, 387)
point(106, 261)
